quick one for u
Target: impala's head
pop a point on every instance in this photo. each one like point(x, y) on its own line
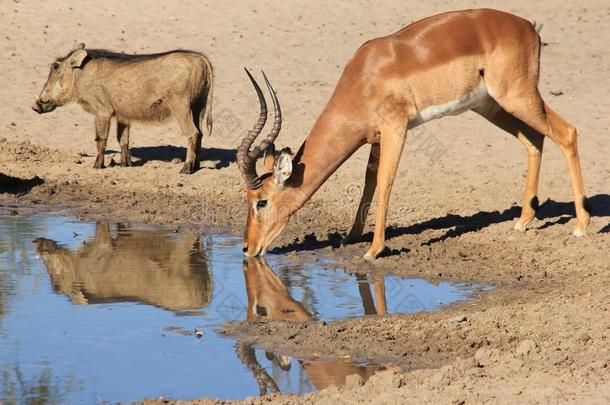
point(268, 296)
point(59, 88)
point(268, 207)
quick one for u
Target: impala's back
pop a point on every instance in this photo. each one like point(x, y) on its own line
point(443, 65)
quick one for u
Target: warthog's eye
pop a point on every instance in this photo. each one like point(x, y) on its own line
point(261, 204)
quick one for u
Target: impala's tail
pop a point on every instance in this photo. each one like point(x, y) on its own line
point(537, 26)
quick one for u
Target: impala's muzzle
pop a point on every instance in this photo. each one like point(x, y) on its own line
point(255, 251)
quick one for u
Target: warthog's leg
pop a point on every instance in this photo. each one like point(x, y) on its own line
point(122, 134)
point(102, 125)
point(193, 135)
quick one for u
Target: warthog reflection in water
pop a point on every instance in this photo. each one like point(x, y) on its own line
point(269, 298)
point(137, 265)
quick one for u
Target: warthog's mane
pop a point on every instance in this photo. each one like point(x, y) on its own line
point(124, 57)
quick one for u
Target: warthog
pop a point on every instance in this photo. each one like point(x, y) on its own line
point(145, 88)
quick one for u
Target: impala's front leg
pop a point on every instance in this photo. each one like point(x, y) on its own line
point(102, 126)
point(392, 142)
point(370, 183)
point(380, 299)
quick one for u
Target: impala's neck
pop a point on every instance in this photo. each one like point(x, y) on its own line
point(333, 139)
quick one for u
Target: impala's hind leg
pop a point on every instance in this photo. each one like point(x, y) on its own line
point(528, 106)
point(564, 134)
point(370, 183)
point(392, 143)
point(533, 142)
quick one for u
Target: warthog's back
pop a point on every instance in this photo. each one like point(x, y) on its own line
point(142, 87)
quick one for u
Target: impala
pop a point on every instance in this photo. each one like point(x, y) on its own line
point(482, 60)
point(269, 298)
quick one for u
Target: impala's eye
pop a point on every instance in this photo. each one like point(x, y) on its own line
point(261, 204)
point(55, 66)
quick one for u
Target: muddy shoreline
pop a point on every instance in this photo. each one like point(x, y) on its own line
point(496, 326)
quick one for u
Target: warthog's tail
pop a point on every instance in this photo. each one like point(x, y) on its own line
point(207, 114)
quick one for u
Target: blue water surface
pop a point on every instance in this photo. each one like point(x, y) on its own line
point(98, 312)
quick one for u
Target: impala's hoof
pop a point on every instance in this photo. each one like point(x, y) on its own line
point(520, 226)
point(579, 232)
point(373, 254)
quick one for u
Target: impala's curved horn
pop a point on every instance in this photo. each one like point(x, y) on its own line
point(277, 122)
point(246, 159)
point(246, 155)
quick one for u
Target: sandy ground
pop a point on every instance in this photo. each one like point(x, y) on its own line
point(541, 336)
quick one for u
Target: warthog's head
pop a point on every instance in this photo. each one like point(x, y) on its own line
point(59, 88)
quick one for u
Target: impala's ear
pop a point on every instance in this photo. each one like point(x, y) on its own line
point(282, 167)
point(269, 158)
point(77, 57)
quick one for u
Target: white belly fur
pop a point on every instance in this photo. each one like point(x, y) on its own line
point(467, 102)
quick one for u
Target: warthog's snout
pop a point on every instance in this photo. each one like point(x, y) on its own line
point(44, 245)
point(43, 106)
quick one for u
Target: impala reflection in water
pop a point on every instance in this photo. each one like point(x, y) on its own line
point(109, 313)
point(269, 298)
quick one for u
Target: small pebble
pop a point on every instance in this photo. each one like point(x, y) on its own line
point(459, 319)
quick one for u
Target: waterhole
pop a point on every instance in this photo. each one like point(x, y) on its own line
point(95, 312)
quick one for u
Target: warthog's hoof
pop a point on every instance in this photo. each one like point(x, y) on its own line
point(126, 162)
point(187, 169)
point(99, 163)
point(190, 167)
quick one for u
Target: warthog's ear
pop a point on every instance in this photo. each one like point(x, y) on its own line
point(77, 57)
point(282, 167)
